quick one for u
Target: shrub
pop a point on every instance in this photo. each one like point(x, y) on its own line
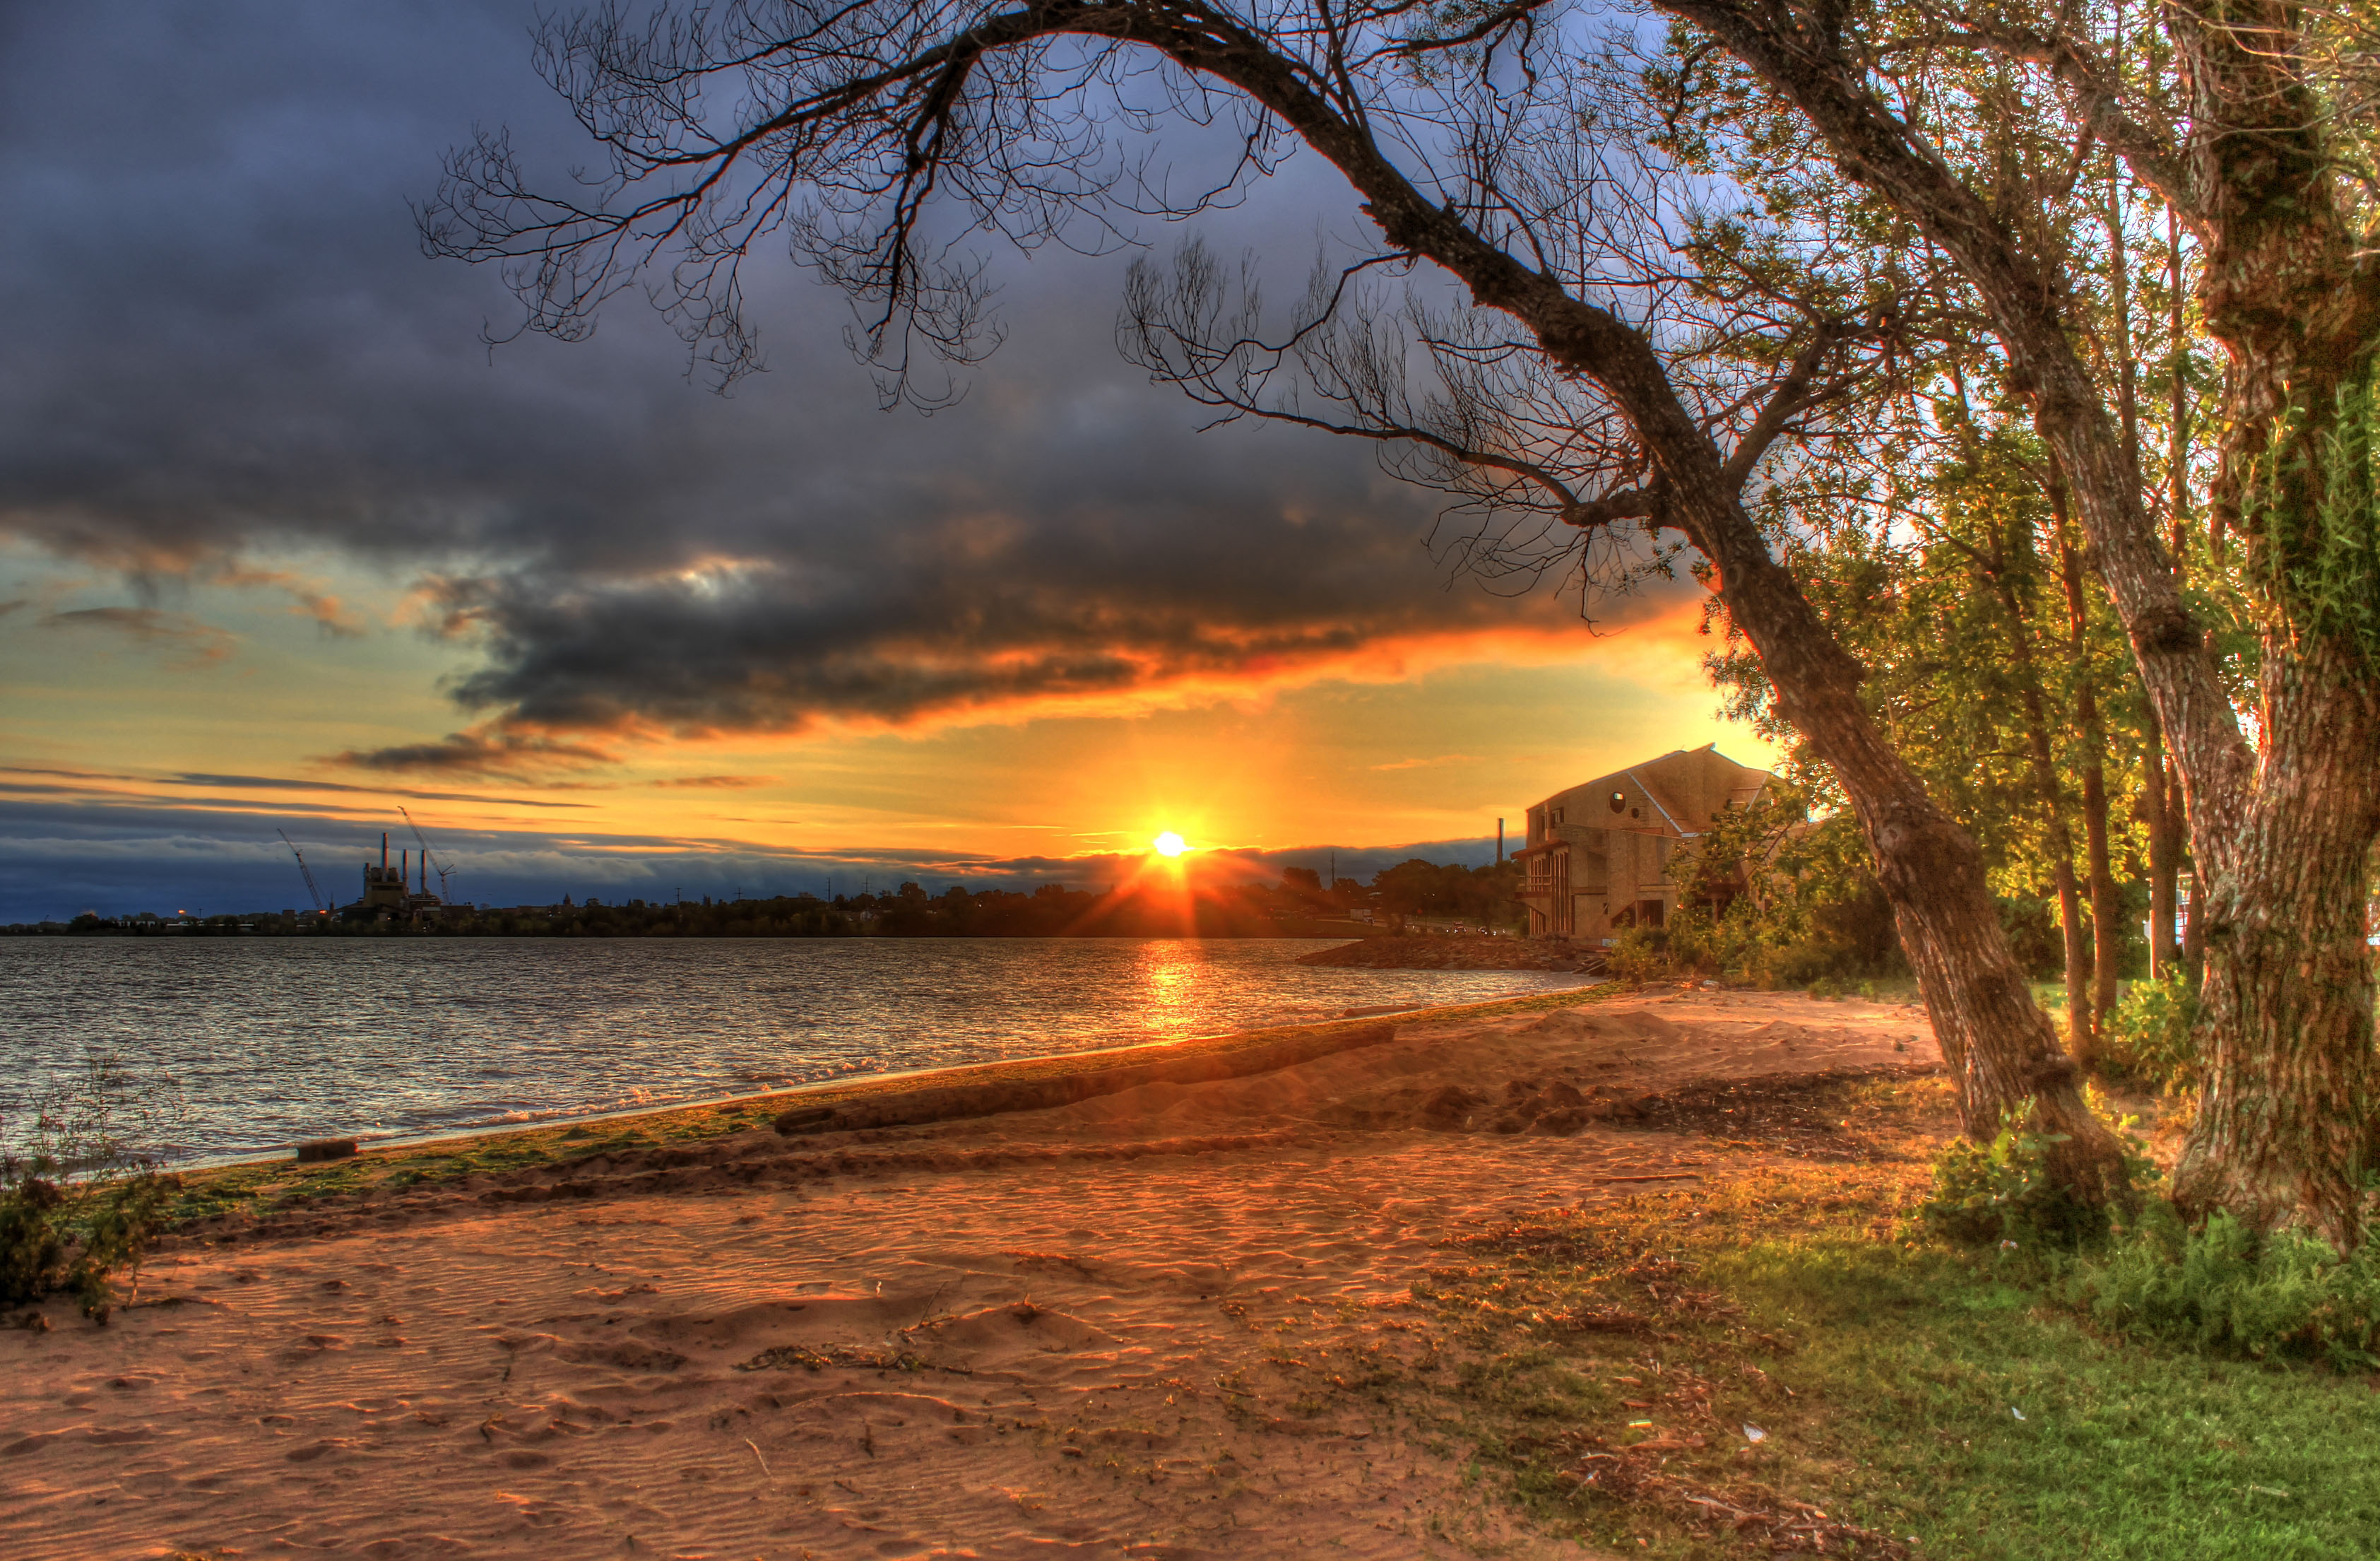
point(2149, 1036)
point(82, 1195)
point(2000, 1193)
point(2225, 1288)
point(1641, 953)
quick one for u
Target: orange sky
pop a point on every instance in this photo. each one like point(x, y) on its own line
point(1429, 737)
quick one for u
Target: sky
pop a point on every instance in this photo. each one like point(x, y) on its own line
point(285, 545)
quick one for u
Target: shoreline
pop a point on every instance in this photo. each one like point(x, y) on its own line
point(562, 1140)
point(1156, 1304)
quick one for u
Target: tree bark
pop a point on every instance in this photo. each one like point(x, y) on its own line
point(2091, 744)
point(2158, 814)
point(2284, 1122)
point(2164, 787)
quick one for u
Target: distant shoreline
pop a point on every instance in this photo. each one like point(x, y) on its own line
point(1249, 912)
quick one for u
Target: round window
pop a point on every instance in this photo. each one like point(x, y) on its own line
point(1619, 800)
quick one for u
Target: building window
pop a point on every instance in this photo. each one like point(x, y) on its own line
point(1619, 800)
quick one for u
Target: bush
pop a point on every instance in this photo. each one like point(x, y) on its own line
point(1641, 953)
point(82, 1195)
point(2225, 1288)
point(2000, 1194)
point(2149, 1036)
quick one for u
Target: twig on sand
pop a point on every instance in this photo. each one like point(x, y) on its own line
point(766, 1471)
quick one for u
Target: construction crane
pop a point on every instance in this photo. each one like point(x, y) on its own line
point(436, 866)
point(320, 909)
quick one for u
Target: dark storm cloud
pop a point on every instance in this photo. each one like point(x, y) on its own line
point(235, 348)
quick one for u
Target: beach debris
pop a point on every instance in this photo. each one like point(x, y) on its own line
point(765, 1470)
point(786, 1357)
point(315, 1149)
point(1754, 1433)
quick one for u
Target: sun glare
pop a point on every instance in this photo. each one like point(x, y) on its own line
point(1169, 844)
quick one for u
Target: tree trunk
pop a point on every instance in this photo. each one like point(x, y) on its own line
point(2058, 839)
point(2091, 743)
point(2163, 786)
point(2285, 1130)
point(2160, 813)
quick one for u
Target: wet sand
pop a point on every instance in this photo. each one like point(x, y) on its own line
point(1141, 1324)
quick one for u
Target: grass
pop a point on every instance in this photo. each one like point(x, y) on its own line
point(1889, 1376)
point(280, 1187)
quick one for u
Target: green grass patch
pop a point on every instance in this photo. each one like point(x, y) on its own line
point(1914, 1400)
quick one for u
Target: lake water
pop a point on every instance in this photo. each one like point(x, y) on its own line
point(270, 1041)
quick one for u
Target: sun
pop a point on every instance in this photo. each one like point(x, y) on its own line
point(1169, 844)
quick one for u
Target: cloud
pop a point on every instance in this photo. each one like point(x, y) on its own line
point(716, 782)
point(280, 782)
point(198, 642)
point(309, 598)
point(484, 751)
point(244, 359)
point(1430, 764)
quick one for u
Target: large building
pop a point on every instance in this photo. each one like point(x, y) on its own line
point(389, 894)
point(1597, 855)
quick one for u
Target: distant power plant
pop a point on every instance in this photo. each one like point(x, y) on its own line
point(391, 894)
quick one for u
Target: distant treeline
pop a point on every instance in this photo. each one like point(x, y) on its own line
point(1298, 904)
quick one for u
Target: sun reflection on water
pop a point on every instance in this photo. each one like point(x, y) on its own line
point(1169, 977)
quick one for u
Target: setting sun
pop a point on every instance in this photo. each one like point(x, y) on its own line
point(1169, 844)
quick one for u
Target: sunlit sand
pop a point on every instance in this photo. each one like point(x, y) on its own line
point(1138, 1324)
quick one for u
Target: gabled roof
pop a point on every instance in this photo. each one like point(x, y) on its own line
point(1686, 787)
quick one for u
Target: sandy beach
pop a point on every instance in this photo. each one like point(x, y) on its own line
point(1141, 1324)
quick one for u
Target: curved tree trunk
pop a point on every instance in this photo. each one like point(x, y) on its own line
point(2000, 1044)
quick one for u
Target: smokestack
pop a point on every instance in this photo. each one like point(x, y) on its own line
point(1499, 842)
point(402, 875)
point(384, 850)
